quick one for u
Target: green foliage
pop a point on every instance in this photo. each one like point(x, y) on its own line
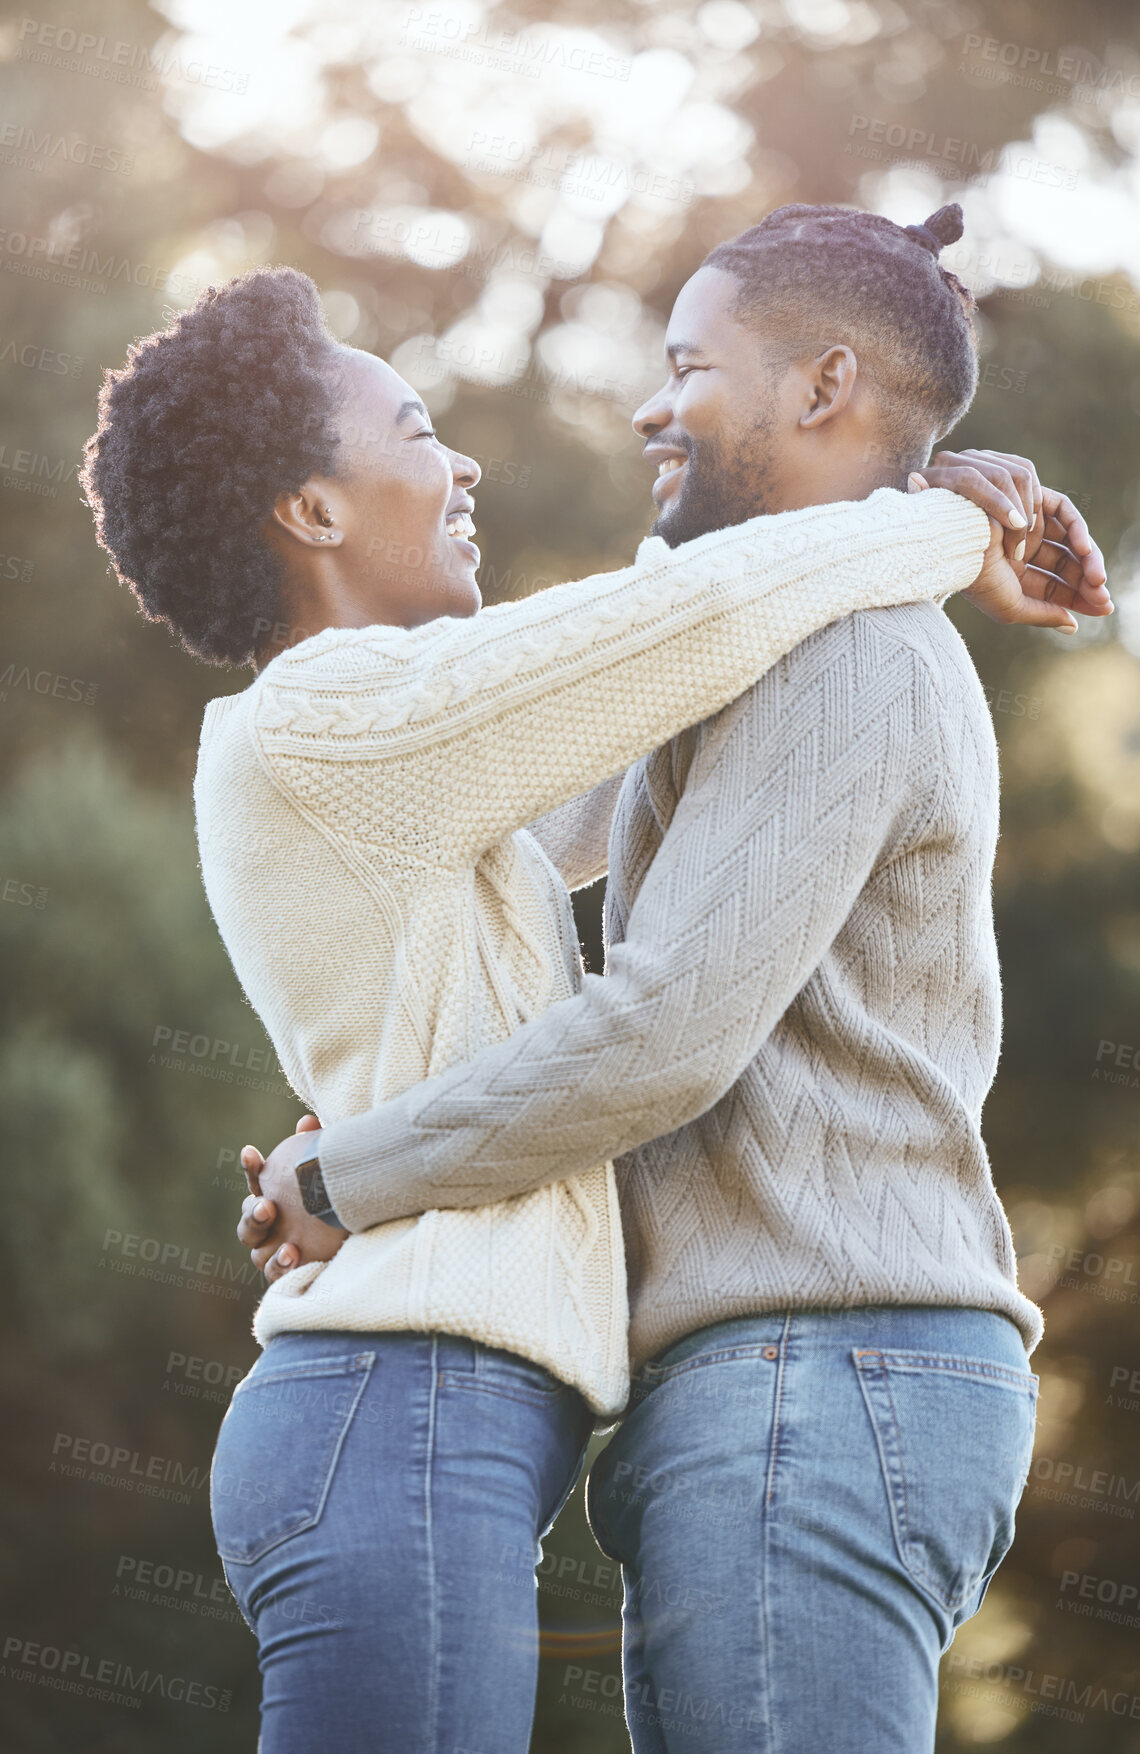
point(113, 1161)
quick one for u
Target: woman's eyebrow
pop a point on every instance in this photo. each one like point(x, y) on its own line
point(677, 347)
point(412, 406)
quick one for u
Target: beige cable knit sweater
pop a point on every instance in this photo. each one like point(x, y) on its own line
point(361, 818)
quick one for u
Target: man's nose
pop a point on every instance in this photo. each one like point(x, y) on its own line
point(653, 415)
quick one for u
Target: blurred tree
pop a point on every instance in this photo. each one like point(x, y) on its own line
point(107, 942)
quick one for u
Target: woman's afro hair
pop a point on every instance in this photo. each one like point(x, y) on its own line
point(206, 423)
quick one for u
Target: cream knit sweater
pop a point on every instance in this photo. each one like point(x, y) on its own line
point(362, 813)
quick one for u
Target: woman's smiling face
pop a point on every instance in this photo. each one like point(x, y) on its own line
point(401, 502)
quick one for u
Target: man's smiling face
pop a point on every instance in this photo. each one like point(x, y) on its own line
point(713, 428)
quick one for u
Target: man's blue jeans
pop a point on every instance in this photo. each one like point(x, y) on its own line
point(378, 1501)
point(806, 1505)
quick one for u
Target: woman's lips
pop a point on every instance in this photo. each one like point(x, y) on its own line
point(460, 528)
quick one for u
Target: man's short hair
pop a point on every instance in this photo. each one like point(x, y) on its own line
point(816, 276)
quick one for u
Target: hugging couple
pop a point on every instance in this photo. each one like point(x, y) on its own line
point(732, 1194)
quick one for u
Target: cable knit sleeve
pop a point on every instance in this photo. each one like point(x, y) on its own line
point(440, 742)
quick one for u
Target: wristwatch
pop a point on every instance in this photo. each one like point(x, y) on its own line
point(314, 1195)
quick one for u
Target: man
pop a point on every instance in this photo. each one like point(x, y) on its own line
point(832, 1416)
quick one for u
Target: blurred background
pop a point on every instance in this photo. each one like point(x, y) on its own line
point(503, 200)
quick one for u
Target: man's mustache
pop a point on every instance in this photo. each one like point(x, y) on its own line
point(677, 441)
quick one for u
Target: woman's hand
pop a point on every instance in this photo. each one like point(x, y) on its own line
point(1042, 563)
point(274, 1225)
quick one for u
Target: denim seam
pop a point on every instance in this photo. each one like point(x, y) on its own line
point(886, 1462)
point(897, 1472)
point(365, 1374)
point(894, 1482)
point(664, 1372)
point(429, 1531)
point(766, 1629)
point(318, 1367)
point(952, 1363)
point(360, 1364)
point(765, 1542)
point(770, 1483)
point(900, 1476)
point(537, 1398)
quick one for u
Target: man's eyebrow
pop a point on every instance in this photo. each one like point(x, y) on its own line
point(412, 406)
point(676, 347)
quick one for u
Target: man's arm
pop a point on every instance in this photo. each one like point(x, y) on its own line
point(793, 795)
point(576, 836)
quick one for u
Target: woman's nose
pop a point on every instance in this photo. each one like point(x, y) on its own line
point(465, 470)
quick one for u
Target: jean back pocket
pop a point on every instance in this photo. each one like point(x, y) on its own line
point(955, 1441)
point(277, 1449)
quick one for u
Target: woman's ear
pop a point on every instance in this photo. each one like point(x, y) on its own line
point(831, 383)
point(306, 516)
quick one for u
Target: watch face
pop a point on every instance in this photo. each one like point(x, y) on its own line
point(313, 1196)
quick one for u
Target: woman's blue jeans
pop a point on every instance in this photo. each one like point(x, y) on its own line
point(806, 1505)
point(378, 1501)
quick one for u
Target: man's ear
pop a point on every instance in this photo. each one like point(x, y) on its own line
point(831, 384)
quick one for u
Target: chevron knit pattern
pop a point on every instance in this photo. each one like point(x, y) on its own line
point(800, 1017)
point(361, 819)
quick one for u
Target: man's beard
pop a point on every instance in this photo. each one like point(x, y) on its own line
point(727, 481)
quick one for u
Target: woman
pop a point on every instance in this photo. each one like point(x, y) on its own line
point(426, 1389)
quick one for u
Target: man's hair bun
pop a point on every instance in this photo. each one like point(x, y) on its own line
point(831, 272)
point(942, 228)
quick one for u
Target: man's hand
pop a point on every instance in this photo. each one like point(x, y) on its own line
point(274, 1225)
point(1042, 562)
